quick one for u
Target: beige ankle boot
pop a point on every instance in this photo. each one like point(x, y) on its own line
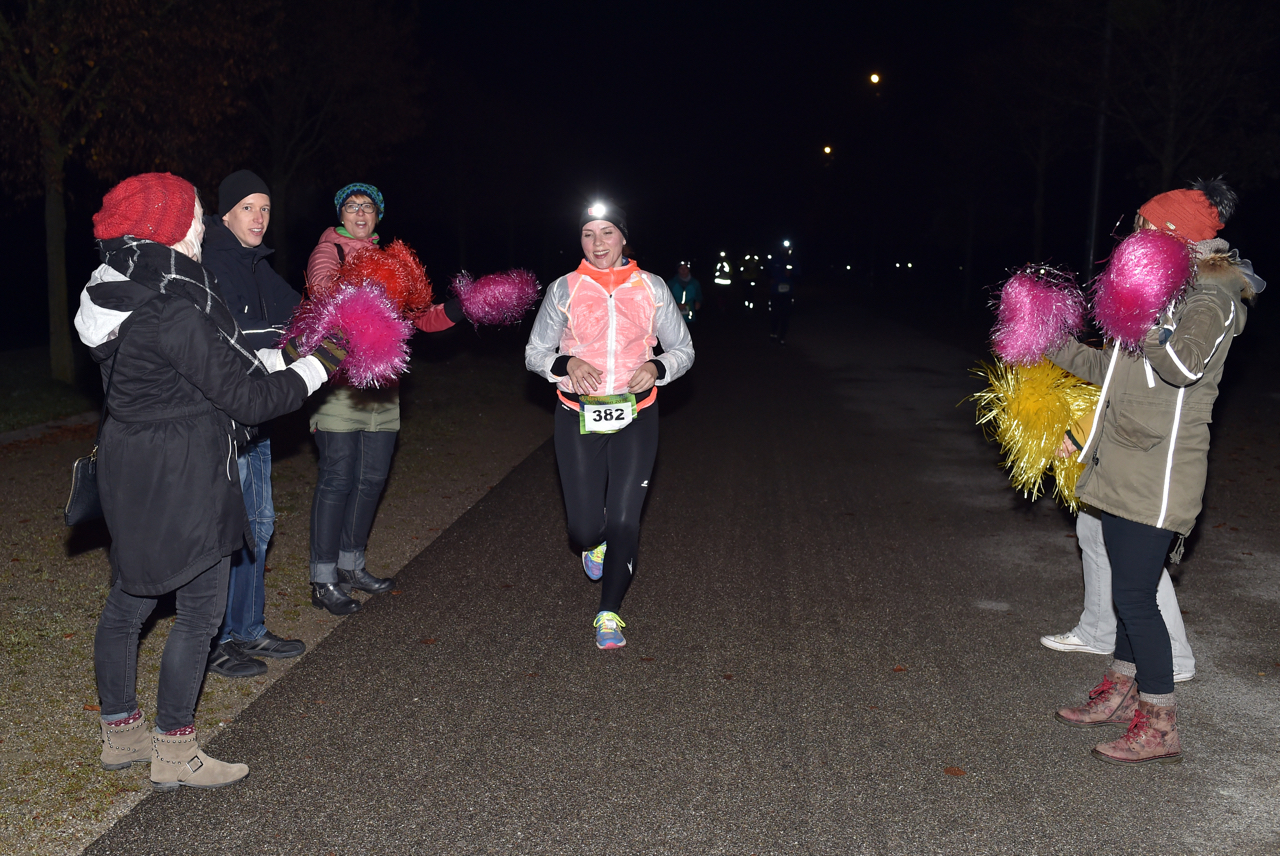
point(123, 745)
point(178, 761)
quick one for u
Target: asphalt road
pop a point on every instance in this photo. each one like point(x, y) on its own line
point(832, 649)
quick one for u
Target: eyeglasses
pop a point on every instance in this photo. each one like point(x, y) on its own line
point(357, 207)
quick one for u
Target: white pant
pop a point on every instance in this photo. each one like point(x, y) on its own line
point(1097, 627)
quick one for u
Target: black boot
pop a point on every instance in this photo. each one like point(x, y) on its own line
point(329, 596)
point(363, 581)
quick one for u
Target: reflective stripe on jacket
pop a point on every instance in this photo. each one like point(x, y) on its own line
point(1147, 449)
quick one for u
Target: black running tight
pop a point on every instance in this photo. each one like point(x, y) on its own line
point(607, 471)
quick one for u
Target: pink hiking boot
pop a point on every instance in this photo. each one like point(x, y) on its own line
point(1111, 702)
point(1152, 738)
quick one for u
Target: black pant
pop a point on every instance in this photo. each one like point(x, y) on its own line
point(607, 471)
point(1137, 552)
point(201, 604)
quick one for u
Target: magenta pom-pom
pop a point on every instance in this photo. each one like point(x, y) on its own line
point(498, 298)
point(1147, 274)
point(364, 322)
point(1039, 308)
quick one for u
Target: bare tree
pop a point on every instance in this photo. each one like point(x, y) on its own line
point(119, 84)
point(1186, 75)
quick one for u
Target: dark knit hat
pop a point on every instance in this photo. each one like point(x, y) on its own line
point(154, 206)
point(608, 212)
point(375, 196)
point(236, 187)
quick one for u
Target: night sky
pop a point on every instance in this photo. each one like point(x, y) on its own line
point(707, 123)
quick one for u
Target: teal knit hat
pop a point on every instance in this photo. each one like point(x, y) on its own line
point(351, 190)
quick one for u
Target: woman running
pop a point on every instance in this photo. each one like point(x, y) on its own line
point(594, 338)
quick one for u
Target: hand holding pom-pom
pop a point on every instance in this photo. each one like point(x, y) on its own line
point(499, 298)
point(1146, 275)
point(1039, 308)
point(365, 323)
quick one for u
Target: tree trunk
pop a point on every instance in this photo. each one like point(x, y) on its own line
point(61, 359)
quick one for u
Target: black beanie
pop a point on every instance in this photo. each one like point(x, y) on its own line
point(236, 187)
point(610, 214)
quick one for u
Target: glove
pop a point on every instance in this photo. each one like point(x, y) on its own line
point(328, 352)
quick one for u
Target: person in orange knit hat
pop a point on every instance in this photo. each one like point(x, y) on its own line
point(1145, 459)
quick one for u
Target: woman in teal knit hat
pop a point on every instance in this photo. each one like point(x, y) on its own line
point(355, 429)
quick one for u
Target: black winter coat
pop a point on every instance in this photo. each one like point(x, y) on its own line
point(167, 469)
point(259, 298)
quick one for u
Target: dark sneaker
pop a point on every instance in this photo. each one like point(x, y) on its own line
point(229, 661)
point(271, 645)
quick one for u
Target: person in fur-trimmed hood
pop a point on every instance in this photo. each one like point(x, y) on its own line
point(181, 382)
point(1146, 457)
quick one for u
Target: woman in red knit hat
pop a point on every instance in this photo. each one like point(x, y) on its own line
point(181, 382)
point(1146, 458)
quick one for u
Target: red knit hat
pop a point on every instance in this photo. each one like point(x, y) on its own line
point(1187, 214)
point(155, 206)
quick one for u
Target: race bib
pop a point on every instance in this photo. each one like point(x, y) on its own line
point(605, 414)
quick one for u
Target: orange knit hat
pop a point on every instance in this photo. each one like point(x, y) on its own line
point(155, 206)
point(1187, 214)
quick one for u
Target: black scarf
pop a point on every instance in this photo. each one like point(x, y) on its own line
point(167, 271)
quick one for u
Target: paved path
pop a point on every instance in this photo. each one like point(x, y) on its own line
point(836, 611)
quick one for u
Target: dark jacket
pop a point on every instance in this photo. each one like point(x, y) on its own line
point(259, 299)
point(1147, 452)
point(167, 469)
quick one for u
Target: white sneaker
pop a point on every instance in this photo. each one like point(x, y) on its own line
point(1183, 677)
point(1069, 642)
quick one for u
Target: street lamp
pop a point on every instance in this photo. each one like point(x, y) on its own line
point(875, 78)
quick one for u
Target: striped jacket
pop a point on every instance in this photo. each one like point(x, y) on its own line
point(1147, 449)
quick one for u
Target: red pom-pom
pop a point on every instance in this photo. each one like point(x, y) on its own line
point(1147, 274)
point(396, 269)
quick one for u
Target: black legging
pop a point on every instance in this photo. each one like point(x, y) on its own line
point(1137, 552)
point(607, 471)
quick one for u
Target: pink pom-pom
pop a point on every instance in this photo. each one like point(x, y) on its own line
point(363, 321)
point(1146, 275)
point(1039, 308)
point(499, 298)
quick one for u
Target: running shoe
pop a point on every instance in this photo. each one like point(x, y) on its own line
point(593, 562)
point(607, 633)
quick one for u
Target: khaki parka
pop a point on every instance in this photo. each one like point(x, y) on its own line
point(1146, 455)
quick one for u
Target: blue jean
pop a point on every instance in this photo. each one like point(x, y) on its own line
point(246, 592)
point(115, 648)
point(353, 470)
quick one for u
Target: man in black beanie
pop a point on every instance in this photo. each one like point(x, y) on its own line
point(262, 303)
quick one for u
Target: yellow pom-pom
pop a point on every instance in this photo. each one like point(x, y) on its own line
point(1027, 410)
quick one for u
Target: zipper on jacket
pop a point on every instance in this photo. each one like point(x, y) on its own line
point(613, 332)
